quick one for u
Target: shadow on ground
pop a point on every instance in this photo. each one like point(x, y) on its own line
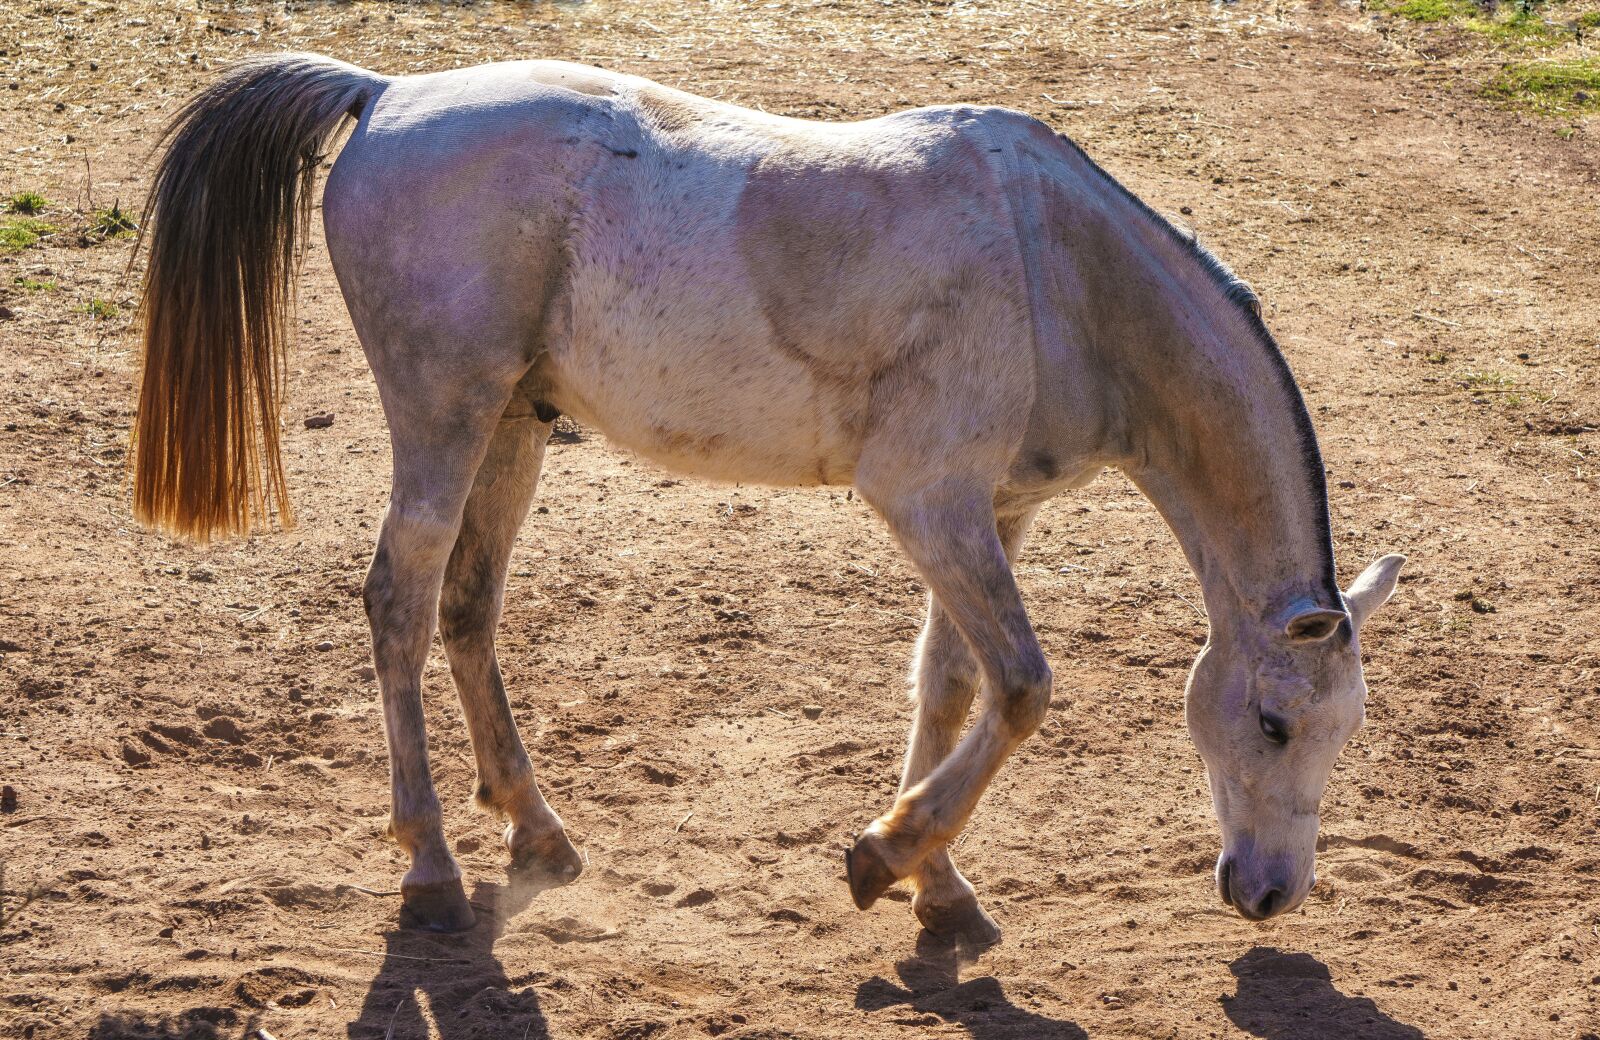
point(456, 978)
point(200, 1023)
point(1291, 996)
point(931, 992)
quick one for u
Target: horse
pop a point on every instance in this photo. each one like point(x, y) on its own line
point(951, 309)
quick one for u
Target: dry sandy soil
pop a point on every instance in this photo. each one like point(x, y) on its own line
point(195, 846)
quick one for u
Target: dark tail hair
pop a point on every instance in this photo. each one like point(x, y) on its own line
point(229, 210)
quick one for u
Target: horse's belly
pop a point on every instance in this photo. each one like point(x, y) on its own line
point(725, 414)
point(684, 371)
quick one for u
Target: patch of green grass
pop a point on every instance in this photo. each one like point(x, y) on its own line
point(35, 284)
point(101, 309)
point(27, 203)
point(1591, 20)
point(22, 232)
point(1521, 29)
point(1434, 10)
point(1560, 88)
point(1486, 380)
point(112, 223)
point(1437, 357)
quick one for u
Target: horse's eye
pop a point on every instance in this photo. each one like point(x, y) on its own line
point(1273, 730)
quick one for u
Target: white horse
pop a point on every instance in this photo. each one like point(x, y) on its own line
point(952, 309)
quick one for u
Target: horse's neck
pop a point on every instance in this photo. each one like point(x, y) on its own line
point(1220, 442)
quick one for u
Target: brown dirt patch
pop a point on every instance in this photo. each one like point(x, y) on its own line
point(197, 787)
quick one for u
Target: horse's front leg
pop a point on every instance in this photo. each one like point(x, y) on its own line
point(944, 681)
point(469, 609)
point(949, 531)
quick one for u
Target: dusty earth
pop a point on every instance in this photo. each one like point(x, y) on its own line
point(194, 747)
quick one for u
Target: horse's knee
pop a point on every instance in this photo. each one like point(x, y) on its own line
point(465, 615)
point(1023, 697)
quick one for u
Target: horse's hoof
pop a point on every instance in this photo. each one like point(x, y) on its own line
point(869, 875)
point(550, 858)
point(440, 906)
point(962, 922)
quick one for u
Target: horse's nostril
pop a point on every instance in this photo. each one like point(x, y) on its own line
point(1270, 903)
point(1224, 880)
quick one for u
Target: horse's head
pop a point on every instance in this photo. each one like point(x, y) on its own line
point(1271, 703)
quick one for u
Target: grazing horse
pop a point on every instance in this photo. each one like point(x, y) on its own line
point(952, 309)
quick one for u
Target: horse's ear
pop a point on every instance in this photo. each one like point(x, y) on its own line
point(1373, 589)
point(1313, 624)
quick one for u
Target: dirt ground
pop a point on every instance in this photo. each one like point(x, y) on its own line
point(194, 743)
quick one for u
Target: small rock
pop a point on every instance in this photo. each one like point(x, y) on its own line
point(319, 422)
point(323, 647)
point(699, 897)
point(202, 574)
point(167, 932)
point(812, 711)
point(6, 314)
point(225, 729)
point(134, 756)
point(8, 799)
point(366, 673)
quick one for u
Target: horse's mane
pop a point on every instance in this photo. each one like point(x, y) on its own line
point(1242, 295)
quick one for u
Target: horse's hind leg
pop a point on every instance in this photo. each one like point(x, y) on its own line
point(469, 609)
point(440, 425)
point(948, 528)
point(945, 679)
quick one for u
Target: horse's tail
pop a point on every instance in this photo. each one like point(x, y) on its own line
point(229, 210)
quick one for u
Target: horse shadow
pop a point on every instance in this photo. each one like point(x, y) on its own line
point(1291, 996)
point(931, 987)
point(454, 981)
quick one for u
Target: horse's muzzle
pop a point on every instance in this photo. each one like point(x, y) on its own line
point(1266, 897)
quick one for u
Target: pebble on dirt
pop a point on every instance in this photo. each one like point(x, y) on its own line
point(225, 729)
point(8, 799)
point(319, 422)
point(812, 711)
point(323, 647)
